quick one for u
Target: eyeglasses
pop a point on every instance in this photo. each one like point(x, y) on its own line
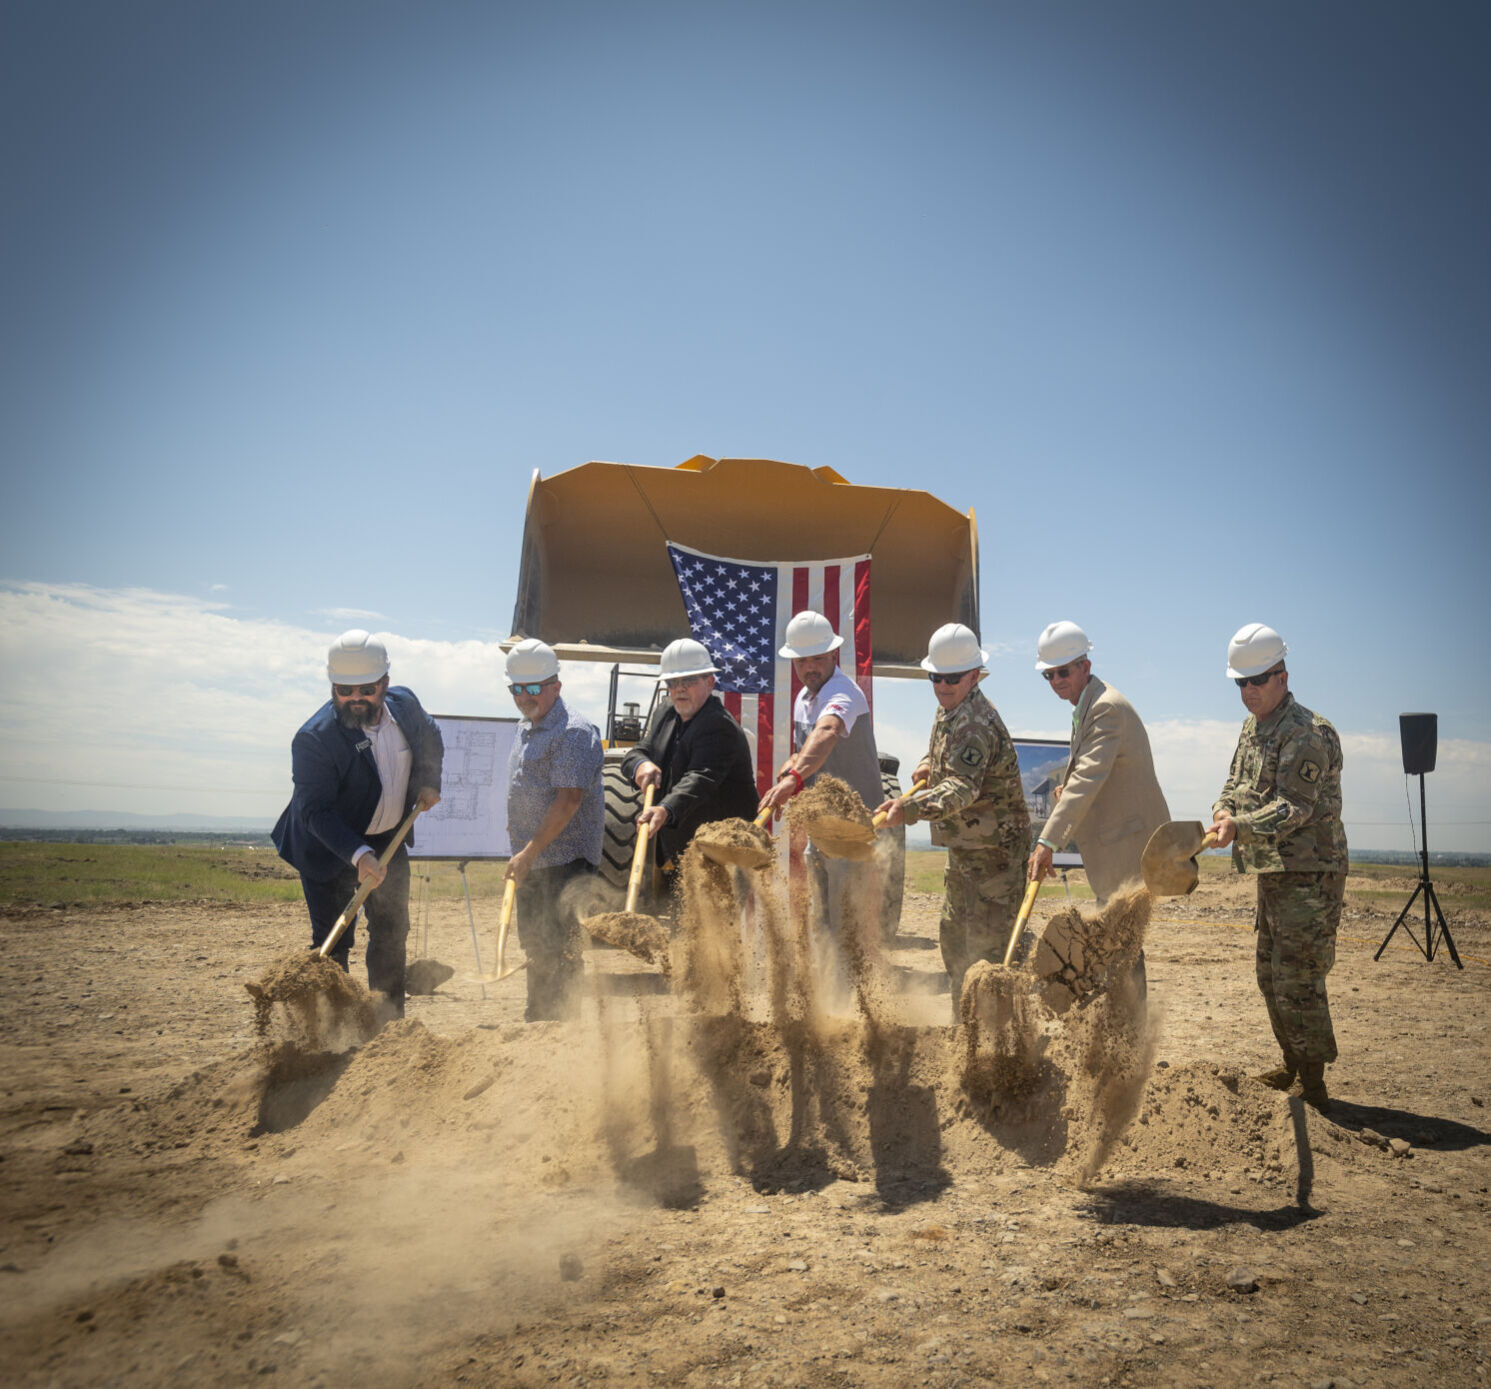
point(532, 687)
point(947, 679)
point(366, 691)
point(1060, 673)
point(684, 682)
point(1245, 680)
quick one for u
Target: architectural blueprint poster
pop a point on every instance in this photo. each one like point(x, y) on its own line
point(471, 820)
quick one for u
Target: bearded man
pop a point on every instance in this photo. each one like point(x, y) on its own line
point(360, 763)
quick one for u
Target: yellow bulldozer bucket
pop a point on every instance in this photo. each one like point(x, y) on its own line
point(595, 582)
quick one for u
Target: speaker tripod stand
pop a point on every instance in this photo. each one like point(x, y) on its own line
point(1432, 913)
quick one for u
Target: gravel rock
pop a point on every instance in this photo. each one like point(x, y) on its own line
point(1242, 1280)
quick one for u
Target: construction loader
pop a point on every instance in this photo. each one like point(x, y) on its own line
point(596, 584)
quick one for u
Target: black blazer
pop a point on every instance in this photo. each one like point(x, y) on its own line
point(337, 787)
point(707, 771)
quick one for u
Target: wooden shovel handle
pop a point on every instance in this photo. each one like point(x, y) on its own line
point(877, 821)
point(1024, 916)
point(509, 897)
point(367, 885)
point(639, 854)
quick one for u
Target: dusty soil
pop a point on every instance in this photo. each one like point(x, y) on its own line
point(734, 1196)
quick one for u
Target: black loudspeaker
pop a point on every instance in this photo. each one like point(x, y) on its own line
point(1420, 734)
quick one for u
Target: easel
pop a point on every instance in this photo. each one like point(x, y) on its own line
point(1431, 901)
point(470, 915)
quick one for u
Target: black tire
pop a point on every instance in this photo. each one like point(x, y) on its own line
point(894, 882)
point(623, 801)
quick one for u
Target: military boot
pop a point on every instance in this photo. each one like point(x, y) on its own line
point(1312, 1086)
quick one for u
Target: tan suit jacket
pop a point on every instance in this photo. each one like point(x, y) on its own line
point(1110, 801)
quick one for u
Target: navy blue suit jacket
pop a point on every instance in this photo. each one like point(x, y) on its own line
point(337, 787)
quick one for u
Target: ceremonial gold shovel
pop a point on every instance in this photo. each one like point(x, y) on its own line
point(509, 897)
point(349, 913)
point(834, 836)
point(1169, 859)
point(630, 930)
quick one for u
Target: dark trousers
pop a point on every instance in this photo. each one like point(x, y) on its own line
point(386, 912)
point(547, 907)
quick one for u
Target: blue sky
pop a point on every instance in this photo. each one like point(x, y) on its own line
point(1189, 302)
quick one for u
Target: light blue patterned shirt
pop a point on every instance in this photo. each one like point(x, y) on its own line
point(562, 750)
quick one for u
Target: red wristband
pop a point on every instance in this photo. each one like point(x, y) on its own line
point(796, 776)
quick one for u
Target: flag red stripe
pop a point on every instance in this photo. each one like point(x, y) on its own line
point(831, 597)
point(864, 657)
point(765, 771)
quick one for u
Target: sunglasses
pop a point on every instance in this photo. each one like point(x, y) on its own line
point(1245, 680)
point(947, 679)
point(531, 687)
point(366, 691)
point(686, 682)
point(1060, 673)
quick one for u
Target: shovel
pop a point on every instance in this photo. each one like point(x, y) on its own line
point(735, 844)
point(509, 896)
point(834, 836)
point(1021, 919)
point(349, 913)
point(1168, 862)
point(630, 930)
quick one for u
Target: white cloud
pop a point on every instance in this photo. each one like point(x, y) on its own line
point(133, 700)
point(128, 699)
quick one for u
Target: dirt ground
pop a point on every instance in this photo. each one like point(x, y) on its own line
point(659, 1195)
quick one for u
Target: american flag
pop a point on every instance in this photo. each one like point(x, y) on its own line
point(740, 611)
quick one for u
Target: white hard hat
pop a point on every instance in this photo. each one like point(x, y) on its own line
point(686, 657)
point(531, 660)
point(810, 634)
point(953, 650)
point(356, 658)
point(1060, 644)
point(1253, 650)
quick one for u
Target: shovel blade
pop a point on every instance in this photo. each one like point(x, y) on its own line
point(496, 978)
point(1168, 862)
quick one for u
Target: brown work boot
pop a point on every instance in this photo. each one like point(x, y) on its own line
point(1280, 1078)
point(1312, 1086)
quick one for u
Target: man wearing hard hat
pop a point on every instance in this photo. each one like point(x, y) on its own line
point(360, 763)
point(1281, 812)
point(976, 803)
point(694, 753)
point(1109, 800)
point(556, 821)
point(831, 730)
point(831, 726)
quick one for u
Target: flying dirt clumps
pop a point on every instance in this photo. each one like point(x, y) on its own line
point(1077, 955)
point(711, 968)
point(832, 815)
point(324, 1007)
point(829, 799)
point(638, 934)
point(737, 843)
point(1002, 1041)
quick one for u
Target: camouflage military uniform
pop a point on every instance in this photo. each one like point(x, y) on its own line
point(977, 808)
point(1284, 791)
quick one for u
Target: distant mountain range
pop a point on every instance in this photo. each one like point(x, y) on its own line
point(123, 820)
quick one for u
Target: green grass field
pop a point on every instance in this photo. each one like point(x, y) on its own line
point(45, 874)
